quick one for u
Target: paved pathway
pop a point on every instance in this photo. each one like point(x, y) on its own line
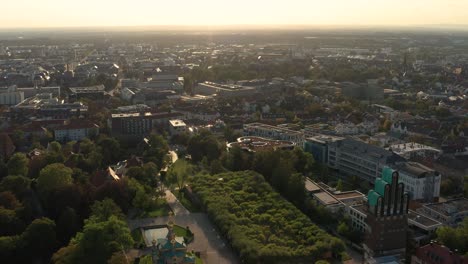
point(213, 249)
point(176, 206)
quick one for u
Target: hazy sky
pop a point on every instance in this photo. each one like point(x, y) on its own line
point(54, 13)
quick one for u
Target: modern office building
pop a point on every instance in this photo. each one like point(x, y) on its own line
point(387, 218)
point(352, 157)
point(318, 146)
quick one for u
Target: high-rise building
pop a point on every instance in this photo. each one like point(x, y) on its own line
point(387, 218)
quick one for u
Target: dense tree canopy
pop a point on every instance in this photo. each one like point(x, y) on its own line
point(104, 233)
point(261, 225)
point(455, 238)
point(54, 176)
point(18, 165)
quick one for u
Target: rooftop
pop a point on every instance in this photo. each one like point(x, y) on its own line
point(177, 123)
point(402, 149)
point(450, 207)
point(258, 143)
point(88, 89)
point(422, 221)
point(272, 128)
point(326, 198)
point(414, 169)
point(311, 186)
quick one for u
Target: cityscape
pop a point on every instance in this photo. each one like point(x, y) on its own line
point(238, 140)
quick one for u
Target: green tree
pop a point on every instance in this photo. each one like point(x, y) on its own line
point(10, 223)
point(339, 185)
point(54, 176)
point(43, 230)
point(68, 224)
point(8, 200)
point(18, 165)
point(9, 246)
point(102, 210)
point(110, 149)
point(118, 258)
point(179, 172)
point(156, 150)
point(296, 189)
point(55, 147)
point(19, 185)
point(97, 243)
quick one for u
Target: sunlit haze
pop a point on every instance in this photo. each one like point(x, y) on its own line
point(89, 13)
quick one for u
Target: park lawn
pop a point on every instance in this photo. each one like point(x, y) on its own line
point(180, 231)
point(161, 211)
point(147, 260)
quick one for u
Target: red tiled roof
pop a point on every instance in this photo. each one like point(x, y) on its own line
point(77, 124)
point(438, 254)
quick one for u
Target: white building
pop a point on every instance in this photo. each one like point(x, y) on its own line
point(421, 182)
point(177, 127)
point(75, 131)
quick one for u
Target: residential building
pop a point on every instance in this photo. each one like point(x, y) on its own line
point(273, 132)
point(434, 253)
point(370, 91)
point(75, 131)
point(177, 127)
point(387, 218)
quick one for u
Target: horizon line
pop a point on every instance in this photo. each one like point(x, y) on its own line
point(163, 27)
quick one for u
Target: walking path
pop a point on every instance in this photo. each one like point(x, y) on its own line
point(174, 203)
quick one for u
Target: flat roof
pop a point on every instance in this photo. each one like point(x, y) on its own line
point(450, 207)
point(422, 220)
point(347, 195)
point(326, 198)
point(177, 123)
point(311, 186)
point(270, 127)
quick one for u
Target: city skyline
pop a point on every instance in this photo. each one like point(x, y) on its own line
point(52, 13)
